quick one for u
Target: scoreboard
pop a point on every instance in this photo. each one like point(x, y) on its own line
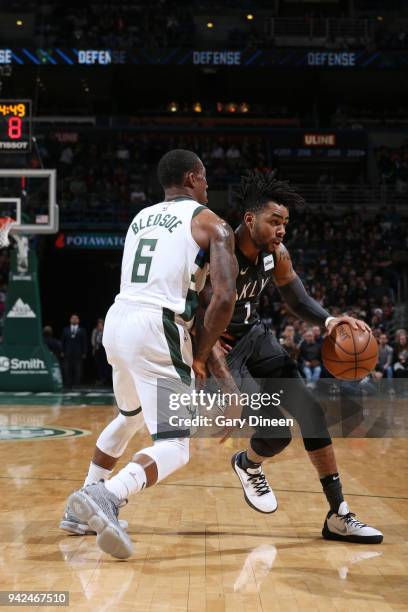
point(15, 126)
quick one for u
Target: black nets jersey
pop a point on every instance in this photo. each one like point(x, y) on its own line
point(251, 281)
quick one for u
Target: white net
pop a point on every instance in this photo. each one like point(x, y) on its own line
point(6, 224)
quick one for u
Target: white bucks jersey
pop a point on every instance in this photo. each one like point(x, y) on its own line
point(162, 264)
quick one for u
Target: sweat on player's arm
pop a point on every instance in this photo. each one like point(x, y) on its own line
point(223, 271)
point(300, 302)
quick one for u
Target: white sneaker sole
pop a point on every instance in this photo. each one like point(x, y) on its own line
point(109, 537)
point(356, 539)
point(76, 528)
point(234, 467)
point(82, 529)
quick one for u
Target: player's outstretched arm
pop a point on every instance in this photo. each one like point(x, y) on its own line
point(293, 291)
point(300, 302)
point(215, 235)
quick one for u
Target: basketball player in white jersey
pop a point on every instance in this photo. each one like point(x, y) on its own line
point(146, 340)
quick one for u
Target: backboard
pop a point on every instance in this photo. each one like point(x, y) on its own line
point(29, 196)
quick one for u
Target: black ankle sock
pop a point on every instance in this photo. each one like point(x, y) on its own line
point(246, 463)
point(332, 489)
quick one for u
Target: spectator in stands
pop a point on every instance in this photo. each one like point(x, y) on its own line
point(377, 319)
point(73, 351)
point(378, 289)
point(138, 196)
point(217, 152)
point(233, 154)
point(400, 356)
point(297, 327)
point(310, 358)
point(385, 355)
point(317, 332)
point(287, 340)
point(103, 369)
point(387, 308)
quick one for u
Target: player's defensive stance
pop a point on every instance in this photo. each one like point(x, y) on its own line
point(146, 339)
point(255, 352)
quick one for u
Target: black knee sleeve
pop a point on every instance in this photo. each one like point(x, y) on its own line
point(312, 444)
point(268, 447)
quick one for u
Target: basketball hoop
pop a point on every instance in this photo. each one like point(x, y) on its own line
point(6, 224)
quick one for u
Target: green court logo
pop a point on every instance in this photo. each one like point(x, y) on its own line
point(16, 432)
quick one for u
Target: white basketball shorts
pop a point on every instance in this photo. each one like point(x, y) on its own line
point(148, 351)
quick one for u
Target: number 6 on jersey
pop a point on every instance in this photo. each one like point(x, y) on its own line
point(143, 262)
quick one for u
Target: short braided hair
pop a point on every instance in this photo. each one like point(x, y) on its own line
point(257, 188)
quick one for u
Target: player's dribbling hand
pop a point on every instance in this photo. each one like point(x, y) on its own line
point(354, 323)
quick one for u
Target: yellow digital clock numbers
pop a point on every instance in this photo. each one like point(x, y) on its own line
point(17, 110)
point(15, 126)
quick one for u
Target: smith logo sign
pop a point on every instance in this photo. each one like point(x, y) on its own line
point(22, 366)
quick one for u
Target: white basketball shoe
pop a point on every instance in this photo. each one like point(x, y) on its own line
point(99, 508)
point(71, 524)
point(343, 525)
point(257, 492)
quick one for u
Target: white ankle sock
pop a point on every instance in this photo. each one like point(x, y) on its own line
point(95, 473)
point(131, 479)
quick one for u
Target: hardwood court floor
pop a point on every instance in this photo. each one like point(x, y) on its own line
point(198, 546)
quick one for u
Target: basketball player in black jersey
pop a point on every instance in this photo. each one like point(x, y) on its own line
point(255, 353)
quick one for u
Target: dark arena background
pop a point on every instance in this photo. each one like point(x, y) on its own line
point(98, 92)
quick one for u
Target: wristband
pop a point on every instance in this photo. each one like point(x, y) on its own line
point(327, 321)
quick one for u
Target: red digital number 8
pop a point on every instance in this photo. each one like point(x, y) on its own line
point(14, 127)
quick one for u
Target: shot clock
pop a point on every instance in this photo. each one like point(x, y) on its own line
point(15, 126)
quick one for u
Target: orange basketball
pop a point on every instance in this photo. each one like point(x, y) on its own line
point(349, 354)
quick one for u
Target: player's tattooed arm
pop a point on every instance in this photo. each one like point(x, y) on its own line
point(294, 293)
point(223, 272)
point(217, 363)
point(218, 367)
point(300, 302)
point(283, 272)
